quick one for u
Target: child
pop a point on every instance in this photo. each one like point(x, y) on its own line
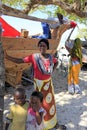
point(35, 112)
point(17, 115)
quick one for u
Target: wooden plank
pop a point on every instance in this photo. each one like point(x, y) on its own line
point(10, 66)
point(23, 53)
point(13, 80)
point(25, 43)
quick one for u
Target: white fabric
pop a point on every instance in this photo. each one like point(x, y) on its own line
point(31, 123)
point(69, 44)
point(65, 20)
point(75, 62)
point(77, 89)
point(52, 26)
point(71, 89)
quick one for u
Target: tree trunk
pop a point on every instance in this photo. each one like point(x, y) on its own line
point(2, 82)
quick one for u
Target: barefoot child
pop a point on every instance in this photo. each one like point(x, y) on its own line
point(17, 115)
point(35, 112)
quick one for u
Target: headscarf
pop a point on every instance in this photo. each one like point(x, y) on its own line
point(76, 50)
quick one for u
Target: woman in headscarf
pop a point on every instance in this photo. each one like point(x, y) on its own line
point(75, 65)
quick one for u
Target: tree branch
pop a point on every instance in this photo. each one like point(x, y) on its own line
point(33, 3)
point(20, 14)
point(67, 7)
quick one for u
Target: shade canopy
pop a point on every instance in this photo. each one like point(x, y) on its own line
point(8, 30)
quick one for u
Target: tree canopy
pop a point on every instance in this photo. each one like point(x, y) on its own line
point(76, 9)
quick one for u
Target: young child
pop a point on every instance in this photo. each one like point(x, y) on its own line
point(17, 115)
point(35, 112)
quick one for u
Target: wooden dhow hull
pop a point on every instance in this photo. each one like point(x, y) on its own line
point(19, 48)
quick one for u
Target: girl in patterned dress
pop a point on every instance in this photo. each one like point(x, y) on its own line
point(35, 112)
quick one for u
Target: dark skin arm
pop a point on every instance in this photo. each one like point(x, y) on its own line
point(55, 65)
point(39, 117)
point(6, 126)
point(13, 59)
point(68, 49)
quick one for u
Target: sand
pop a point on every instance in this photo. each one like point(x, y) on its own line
point(71, 109)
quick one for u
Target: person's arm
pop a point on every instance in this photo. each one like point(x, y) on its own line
point(8, 121)
point(39, 116)
point(39, 113)
point(68, 40)
point(68, 49)
point(6, 126)
point(55, 61)
point(55, 65)
point(70, 34)
point(8, 118)
point(13, 59)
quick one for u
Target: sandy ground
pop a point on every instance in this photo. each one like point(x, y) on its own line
point(71, 109)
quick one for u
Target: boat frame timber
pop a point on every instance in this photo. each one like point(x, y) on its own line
point(21, 47)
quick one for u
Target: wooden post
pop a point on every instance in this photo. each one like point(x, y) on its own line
point(2, 80)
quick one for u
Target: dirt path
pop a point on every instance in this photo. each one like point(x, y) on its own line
point(71, 109)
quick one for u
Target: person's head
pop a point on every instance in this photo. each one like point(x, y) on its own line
point(76, 50)
point(19, 96)
point(77, 43)
point(36, 99)
point(43, 45)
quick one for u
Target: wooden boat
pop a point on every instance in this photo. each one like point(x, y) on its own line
point(21, 47)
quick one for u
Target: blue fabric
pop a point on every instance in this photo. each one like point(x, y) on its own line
point(46, 31)
point(75, 62)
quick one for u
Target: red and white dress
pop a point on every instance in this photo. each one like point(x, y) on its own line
point(31, 123)
point(43, 83)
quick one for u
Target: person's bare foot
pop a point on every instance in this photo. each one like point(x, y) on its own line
point(60, 127)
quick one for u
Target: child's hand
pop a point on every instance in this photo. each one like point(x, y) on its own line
point(36, 106)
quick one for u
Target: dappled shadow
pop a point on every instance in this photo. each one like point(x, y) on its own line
point(59, 82)
point(72, 109)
